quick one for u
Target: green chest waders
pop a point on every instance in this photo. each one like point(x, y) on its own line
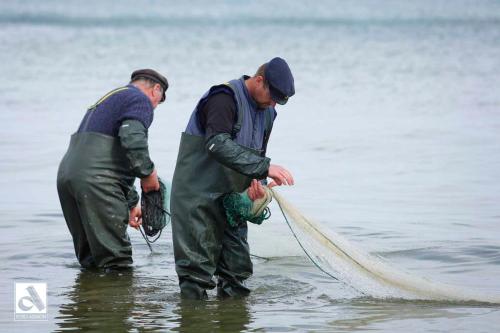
point(204, 243)
point(93, 181)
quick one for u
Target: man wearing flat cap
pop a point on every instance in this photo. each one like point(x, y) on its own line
point(222, 151)
point(95, 180)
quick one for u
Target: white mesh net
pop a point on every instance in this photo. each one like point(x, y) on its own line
point(369, 275)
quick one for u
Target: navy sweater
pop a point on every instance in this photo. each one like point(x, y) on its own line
point(107, 117)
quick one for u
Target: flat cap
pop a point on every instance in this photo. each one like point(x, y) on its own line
point(280, 80)
point(151, 75)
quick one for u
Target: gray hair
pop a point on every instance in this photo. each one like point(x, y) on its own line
point(147, 82)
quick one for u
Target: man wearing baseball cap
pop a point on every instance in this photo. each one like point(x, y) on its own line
point(222, 151)
point(95, 180)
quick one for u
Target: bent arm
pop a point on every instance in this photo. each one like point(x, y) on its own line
point(134, 140)
point(232, 155)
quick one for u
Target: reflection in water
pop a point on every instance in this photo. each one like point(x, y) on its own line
point(367, 313)
point(126, 301)
point(98, 302)
point(231, 315)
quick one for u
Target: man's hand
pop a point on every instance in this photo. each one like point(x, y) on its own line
point(279, 175)
point(256, 190)
point(150, 183)
point(135, 217)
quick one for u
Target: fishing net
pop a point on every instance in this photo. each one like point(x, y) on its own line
point(369, 275)
point(239, 207)
point(155, 207)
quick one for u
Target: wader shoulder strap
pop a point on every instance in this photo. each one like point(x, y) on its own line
point(105, 97)
point(268, 127)
point(92, 108)
point(269, 119)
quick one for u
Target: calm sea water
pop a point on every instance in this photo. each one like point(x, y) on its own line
point(393, 138)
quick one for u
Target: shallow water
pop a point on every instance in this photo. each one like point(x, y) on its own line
point(393, 138)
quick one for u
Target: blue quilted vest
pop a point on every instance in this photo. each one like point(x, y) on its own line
point(252, 126)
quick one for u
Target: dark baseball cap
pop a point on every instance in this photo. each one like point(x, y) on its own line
point(280, 79)
point(151, 75)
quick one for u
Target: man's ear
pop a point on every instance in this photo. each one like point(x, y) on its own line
point(153, 88)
